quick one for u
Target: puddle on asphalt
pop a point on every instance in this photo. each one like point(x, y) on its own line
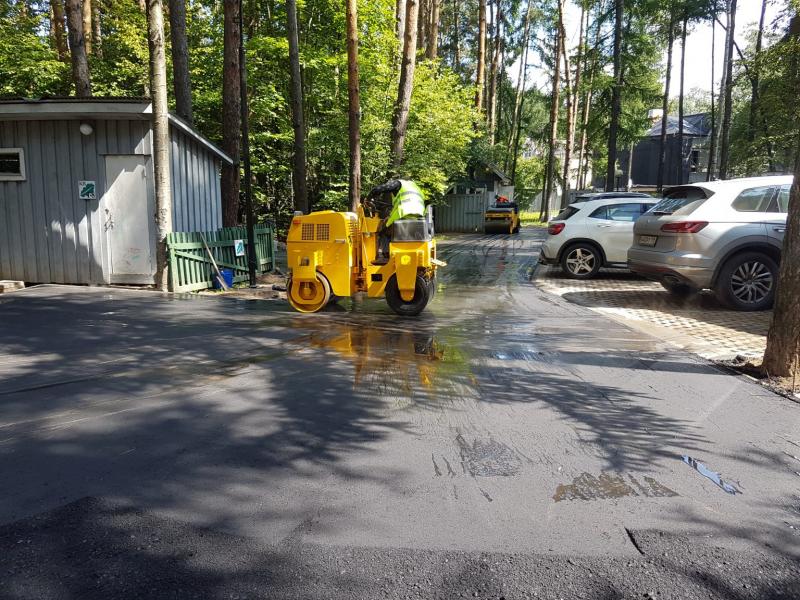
point(529, 355)
point(608, 486)
point(712, 475)
point(488, 458)
point(392, 358)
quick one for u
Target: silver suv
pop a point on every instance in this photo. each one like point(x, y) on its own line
point(721, 235)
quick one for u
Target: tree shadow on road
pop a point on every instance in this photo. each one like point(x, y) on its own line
point(169, 401)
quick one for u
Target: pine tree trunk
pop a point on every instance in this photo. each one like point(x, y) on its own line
point(481, 68)
point(725, 142)
point(755, 93)
point(180, 59)
point(616, 97)
point(86, 18)
point(515, 116)
point(570, 138)
point(57, 7)
point(493, 72)
point(354, 111)
point(400, 21)
point(662, 141)
point(432, 51)
point(783, 340)
point(400, 115)
point(712, 144)
point(231, 113)
point(681, 156)
point(422, 22)
point(721, 95)
point(298, 119)
point(80, 64)
point(544, 212)
point(582, 161)
point(97, 33)
point(158, 87)
point(456, 40)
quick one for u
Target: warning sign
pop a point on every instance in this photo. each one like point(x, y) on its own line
point(239, 246)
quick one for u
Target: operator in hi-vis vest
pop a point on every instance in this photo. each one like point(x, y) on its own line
point(395, 199)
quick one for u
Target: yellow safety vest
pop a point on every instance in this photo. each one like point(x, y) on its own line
point(409, 201)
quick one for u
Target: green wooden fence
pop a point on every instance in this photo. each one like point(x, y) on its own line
point(190, 267)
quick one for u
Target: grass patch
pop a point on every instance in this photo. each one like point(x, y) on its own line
point(532, 217)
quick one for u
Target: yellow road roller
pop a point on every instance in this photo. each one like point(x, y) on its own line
point(334, 254)
point(501, 217)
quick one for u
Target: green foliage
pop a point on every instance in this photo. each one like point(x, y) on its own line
point(29, 66)
point(530, 173)
point(440, 128)
point(123, 68)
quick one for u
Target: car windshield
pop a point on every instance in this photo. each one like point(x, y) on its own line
point(681, 201)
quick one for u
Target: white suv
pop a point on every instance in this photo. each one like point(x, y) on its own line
point(587, 236)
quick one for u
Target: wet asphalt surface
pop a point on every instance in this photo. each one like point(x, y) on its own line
point(505, 444)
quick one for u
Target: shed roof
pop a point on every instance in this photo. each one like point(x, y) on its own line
point(97, 108)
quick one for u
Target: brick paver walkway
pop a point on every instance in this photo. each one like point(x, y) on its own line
point(698, 324)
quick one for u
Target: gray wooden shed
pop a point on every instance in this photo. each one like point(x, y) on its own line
point(77, 198)
point(467, 199)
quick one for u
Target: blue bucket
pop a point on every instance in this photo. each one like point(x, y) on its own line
point(227, 275)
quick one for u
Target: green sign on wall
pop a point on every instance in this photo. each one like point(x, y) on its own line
point(87, 190)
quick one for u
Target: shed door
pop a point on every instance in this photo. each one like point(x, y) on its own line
point(127, 219)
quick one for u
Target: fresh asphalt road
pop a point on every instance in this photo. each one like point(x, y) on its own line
point(506, 443)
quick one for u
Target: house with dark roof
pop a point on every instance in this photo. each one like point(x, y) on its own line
point(77, 193)
point(685, 164)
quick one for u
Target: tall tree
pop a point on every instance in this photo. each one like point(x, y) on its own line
point(755, 90)
point(456, 40)
point(97, 32)
point(86, 19)
point(403, 103)
point(57, 6)
point(516, 115)
point(77, 47)
point(494, 70)
point(587, 103)
point(158, 89)
point(571, 100)
point(432, 51)
point(354, 104)
point(423, 17)
point(549, 173)
point(180, 59)
point(400, 21)
point(782, 354)
point(616, 97)
point(231, 113)
point(480, 71)
point(712, 145)
point(727, 113)
point(662, 141)
point(298, 119)
point(681, 156)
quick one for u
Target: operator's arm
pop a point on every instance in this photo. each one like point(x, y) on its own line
point(392, 185)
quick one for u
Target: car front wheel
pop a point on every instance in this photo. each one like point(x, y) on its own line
point(581, 261)
point(747, 282)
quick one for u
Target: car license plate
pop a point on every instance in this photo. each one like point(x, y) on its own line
point(648, 240)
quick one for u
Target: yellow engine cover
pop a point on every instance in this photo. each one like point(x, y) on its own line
point(324, 242)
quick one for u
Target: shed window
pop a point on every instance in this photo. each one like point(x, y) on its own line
point(12, 164)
